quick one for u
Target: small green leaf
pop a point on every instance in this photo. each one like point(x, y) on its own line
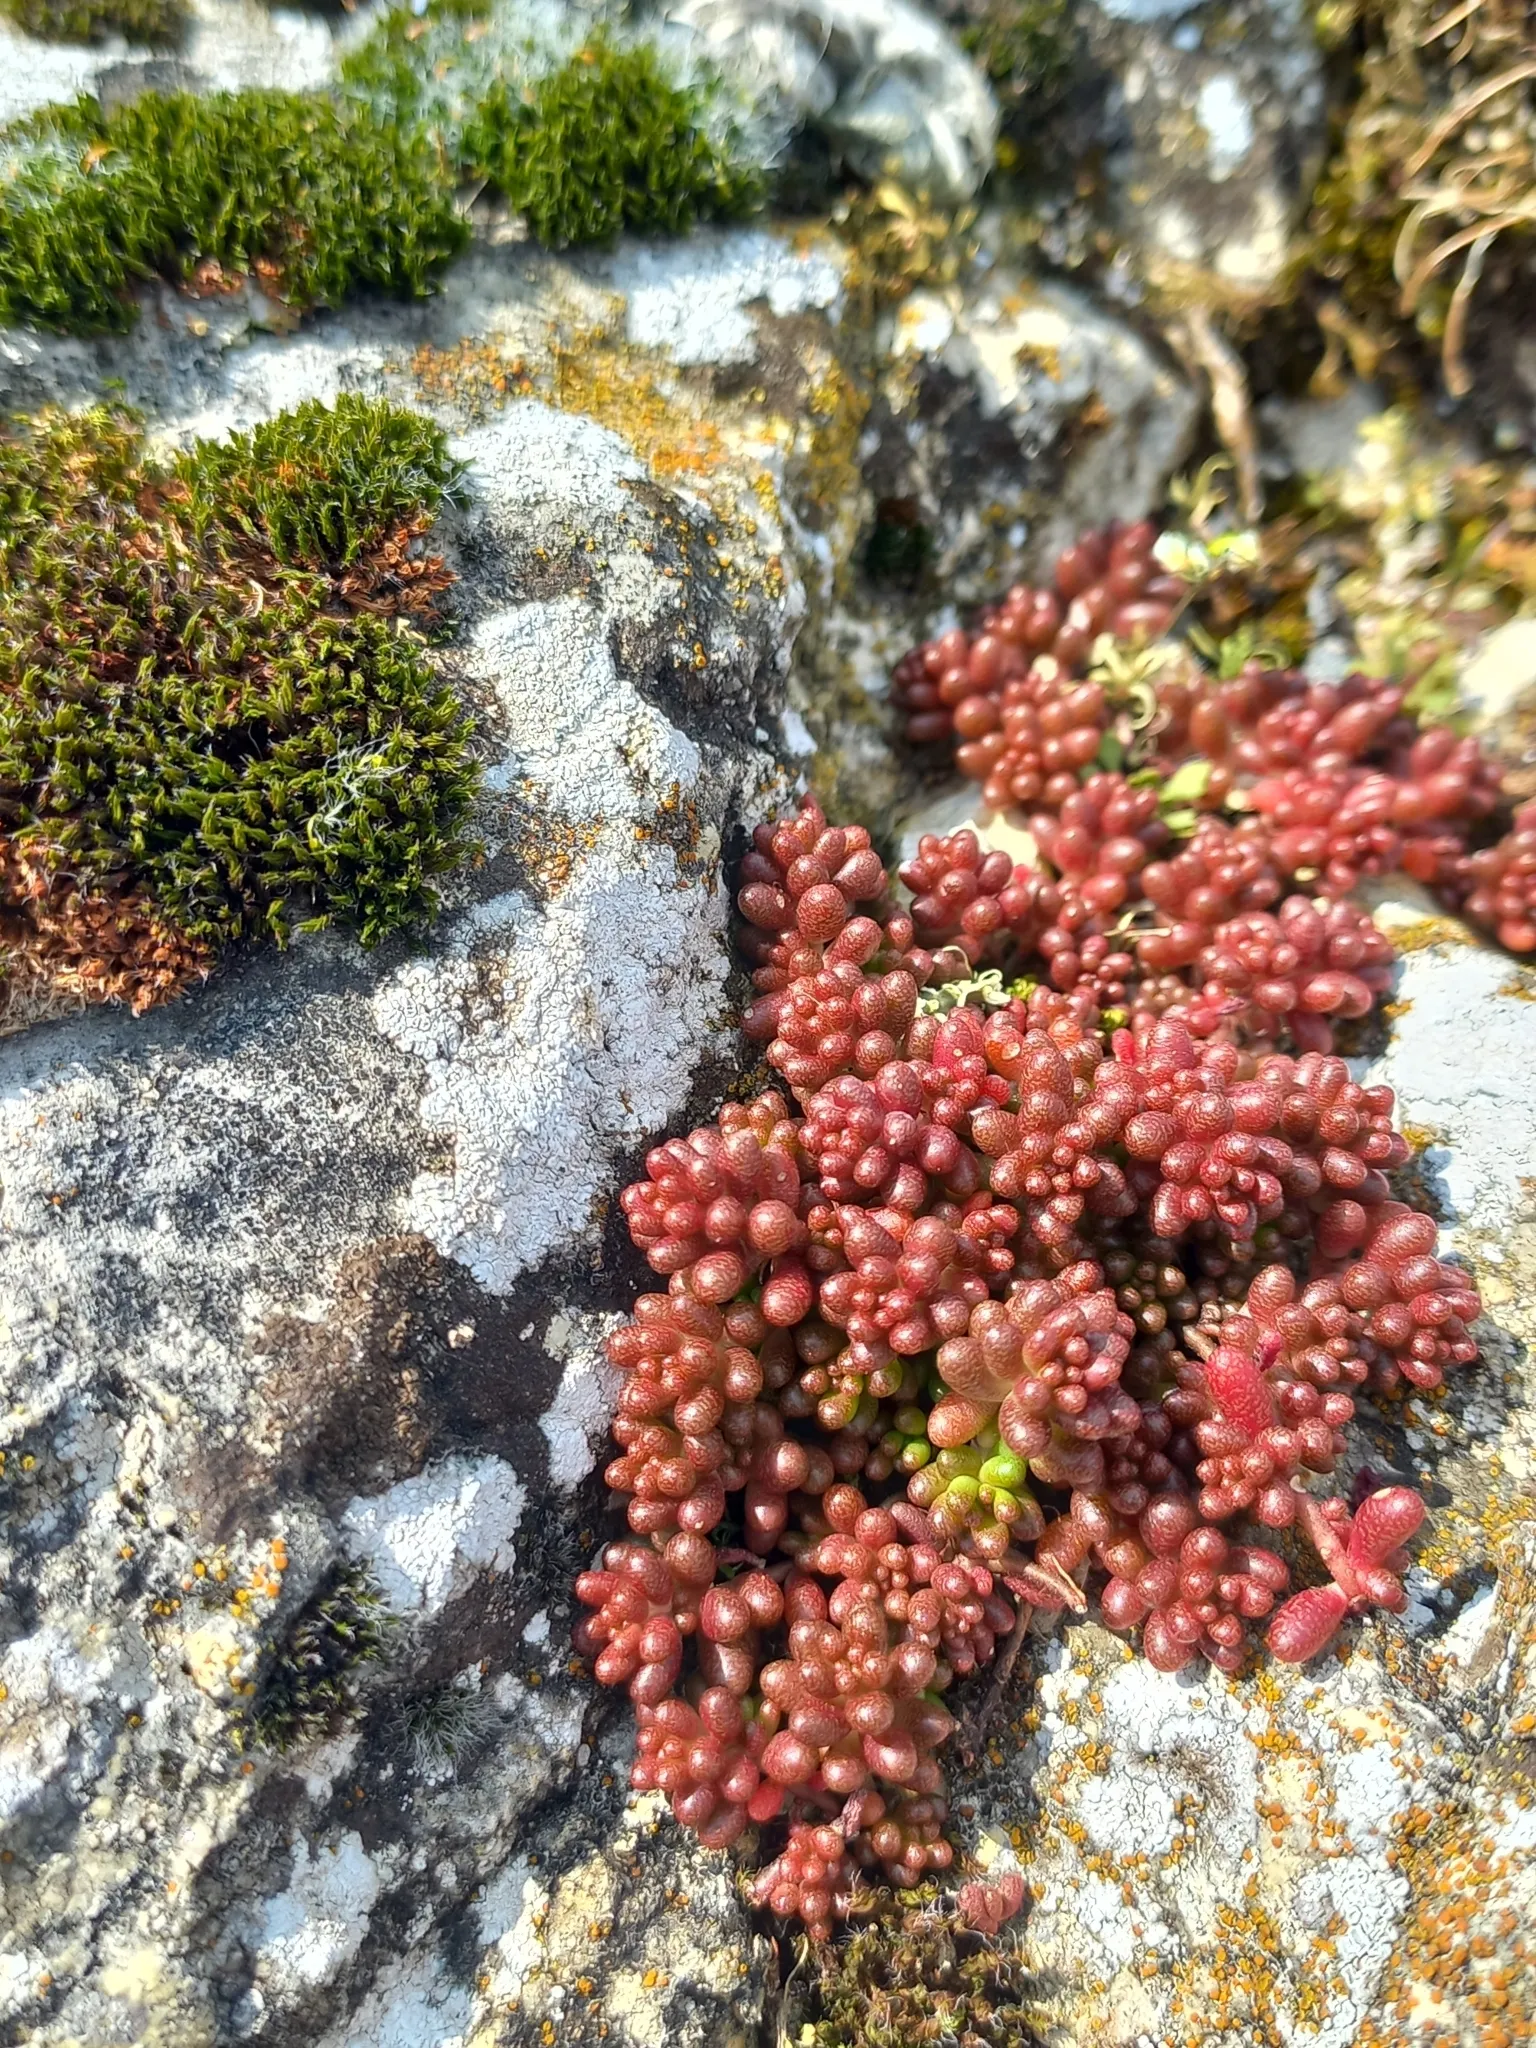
point(1188, 782)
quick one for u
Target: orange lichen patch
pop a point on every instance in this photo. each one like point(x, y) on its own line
point(642, 401)
point(548, 846)
point(63, 946)
point(1464, 1971)
point(473, 376)
point(1232, 1990)
point(677, 823)
point(1457, 1539)
point(1424, 932)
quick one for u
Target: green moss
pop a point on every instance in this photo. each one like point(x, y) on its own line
point(312, 1684)
point(426, 68)
point(1026, 47)
point(250, 746)
point(47, 477)
point(899, 545)
point(159, 23)
point(584, 141)
point(321, 196)
point(1354, 224)
point(323, 483)
point(607, 142)
point(917, 1975)
point(318, 200)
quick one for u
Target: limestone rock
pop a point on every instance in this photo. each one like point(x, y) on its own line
point(304, 1285)
point(1205, 126)
point(229, 45)
point(1020, 410)
point(1498, 688)
point(996, 417)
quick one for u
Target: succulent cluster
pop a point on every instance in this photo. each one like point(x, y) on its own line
point(1282, 786)
point(1025, 1295)
point(217, 715)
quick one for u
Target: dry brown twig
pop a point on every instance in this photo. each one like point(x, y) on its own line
point(1195, 335)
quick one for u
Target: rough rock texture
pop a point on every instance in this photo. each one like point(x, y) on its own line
point(880, 84)
point(303, 1280)
point(311, 1270)
point(1498, 686)
point(1314, 1856)
point(229, 44)
point(1202, 128)
point(314, 1266)
point(1018, 410)
point(978, 425)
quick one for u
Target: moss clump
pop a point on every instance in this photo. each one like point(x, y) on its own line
point(899, 545)
point(917, 1975)
point(312, 1685)
point(216, 720)
point(584, 141)
point(158, 23)
point(608, 142)
point(322, 485)
point(429, 67)
point(318, 196)
point(315, 199)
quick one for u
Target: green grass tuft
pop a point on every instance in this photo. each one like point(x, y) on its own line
point(158, 23)
point(188, 711)
point(316, 199)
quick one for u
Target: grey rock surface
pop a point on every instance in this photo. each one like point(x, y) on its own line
point(1205, 128)
point(992, 419)
point(229, 44)
point(308, 1274)
point(312, 1269)
point(1019, 410)
point(1498, 687)
point(881, 81)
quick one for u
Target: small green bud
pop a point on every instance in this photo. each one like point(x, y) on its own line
point(1005, 1469)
